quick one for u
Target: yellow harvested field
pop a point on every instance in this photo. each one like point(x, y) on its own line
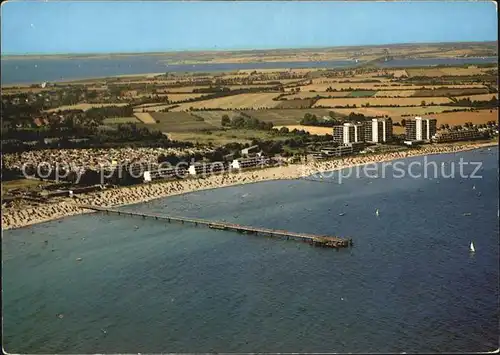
point(84, 107)
point(379, 101)
point(378, 86)
point(277, 70)
point(462, 71)
point(399, 73)
point(438, 72)
point(431, 72)
point(397, 112)
point(354, 80)
point(283, 81)
point(398, 130)
point(483, 97)
point(394, 93)
point(183, 97)
point(145, 117)
point(459, 118)
point(154, 108)
point(464, 86)
point(320, 131)
point(182, 89)
point(241, 101)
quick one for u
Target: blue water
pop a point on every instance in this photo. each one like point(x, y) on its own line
point(408, 284)
point(17, 71)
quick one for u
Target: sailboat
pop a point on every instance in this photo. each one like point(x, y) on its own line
point(471, 247)
point(376, 212)
point(474, 187)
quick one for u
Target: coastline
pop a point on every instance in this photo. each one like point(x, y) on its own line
point(14, 217)
point(191, 66)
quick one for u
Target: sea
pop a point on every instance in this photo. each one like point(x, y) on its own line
point(23, 71)
point(408, 284)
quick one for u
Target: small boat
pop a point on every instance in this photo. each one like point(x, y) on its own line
point(377, 212)
point(341, 214)
point(471, 247)
point(473, 187)
point(467, 214)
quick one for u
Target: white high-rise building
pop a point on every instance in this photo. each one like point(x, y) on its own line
point(348, 133)
point(420, 129)
point(378, 130)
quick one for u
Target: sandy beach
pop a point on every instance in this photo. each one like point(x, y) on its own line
point(22, 216)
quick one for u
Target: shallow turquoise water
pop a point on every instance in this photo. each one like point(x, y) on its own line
point(409, 283)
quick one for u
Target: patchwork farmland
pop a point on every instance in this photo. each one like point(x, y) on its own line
point(85, 106)
point(378, 101)
point(234, 102)
point(397, 112)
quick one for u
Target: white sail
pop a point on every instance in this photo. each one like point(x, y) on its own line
point(471, 247)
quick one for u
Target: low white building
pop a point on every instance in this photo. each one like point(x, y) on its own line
point(242, 163)
point(250, 150)
point(205, 168)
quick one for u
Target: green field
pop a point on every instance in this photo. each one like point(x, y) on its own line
point(362, 93)
point(222, 137)
point(449, 92)
point(118, 120)
point(296, 104)
point(178, 122)
point(190, 122)
point(286, 117)
point(214, 117)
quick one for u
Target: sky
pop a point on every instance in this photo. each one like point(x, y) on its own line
point(49, 27)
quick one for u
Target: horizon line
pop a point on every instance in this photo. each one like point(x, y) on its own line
point(234, 49)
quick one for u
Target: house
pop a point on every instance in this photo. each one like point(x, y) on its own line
point(165, 173)
point(206, 168)
point(250, 150)
point(253, 162)
point(51, 140)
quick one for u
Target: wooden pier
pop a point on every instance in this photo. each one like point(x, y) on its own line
point(316, 240)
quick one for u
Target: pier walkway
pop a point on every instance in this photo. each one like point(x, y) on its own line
point(316, 240)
